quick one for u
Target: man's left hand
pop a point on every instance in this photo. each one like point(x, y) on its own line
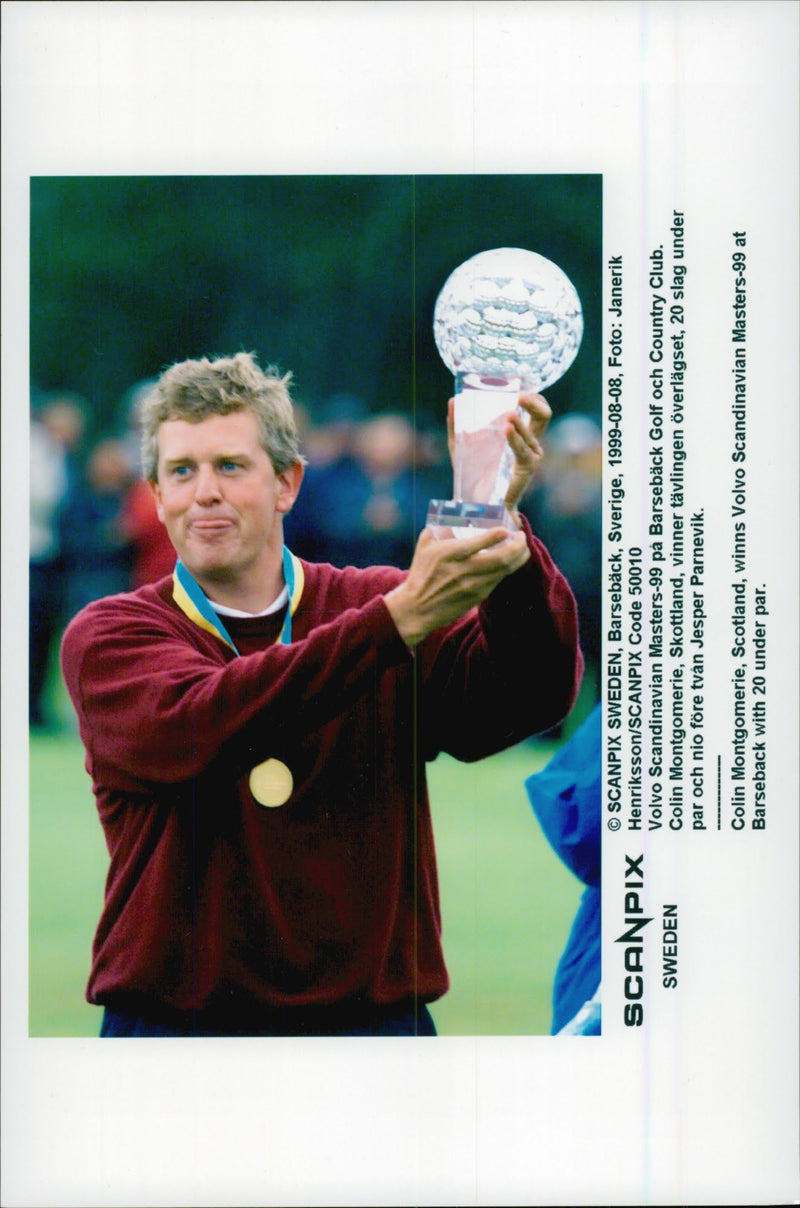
point(524, 434)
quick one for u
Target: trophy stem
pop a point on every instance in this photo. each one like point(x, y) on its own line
point(482, 460)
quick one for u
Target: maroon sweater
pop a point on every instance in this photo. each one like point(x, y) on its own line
point(213, 900)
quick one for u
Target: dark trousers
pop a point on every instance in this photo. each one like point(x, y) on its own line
point(361, 1019)
point(45, 601)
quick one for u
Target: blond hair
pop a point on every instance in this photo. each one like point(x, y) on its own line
point(194, 390)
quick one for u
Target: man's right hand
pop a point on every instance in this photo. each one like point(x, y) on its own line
point(448, 577)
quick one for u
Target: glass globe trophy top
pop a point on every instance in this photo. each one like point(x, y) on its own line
point(506, 320)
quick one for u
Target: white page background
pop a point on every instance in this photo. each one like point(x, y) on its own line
point(679, 105)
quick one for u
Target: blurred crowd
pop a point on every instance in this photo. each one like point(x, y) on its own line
point(94, 529)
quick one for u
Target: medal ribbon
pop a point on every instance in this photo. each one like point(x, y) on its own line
point(192, 600)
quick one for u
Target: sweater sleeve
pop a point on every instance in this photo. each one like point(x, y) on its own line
point(508, 669)
point(156, 704)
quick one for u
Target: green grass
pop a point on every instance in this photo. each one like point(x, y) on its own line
point(68, 863)
point(507, 901)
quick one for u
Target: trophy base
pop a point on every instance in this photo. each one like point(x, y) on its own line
point(464, 519)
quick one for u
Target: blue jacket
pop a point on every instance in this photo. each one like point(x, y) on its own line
point(566, 798)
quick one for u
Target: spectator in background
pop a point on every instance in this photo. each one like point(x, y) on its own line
point(129, 410)
point(565, 508)
point(327, 437)
point(380, 495)
point(432, 467)
point(328, 447)
point(366, 491)
point(56, 432)
point(153, 554)
point(96, 548)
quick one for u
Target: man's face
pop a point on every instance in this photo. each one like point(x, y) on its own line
point(220, 498)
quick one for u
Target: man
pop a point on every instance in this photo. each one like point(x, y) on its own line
point(257, 727)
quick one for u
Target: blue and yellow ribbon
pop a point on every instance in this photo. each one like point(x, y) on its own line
point(192, 600)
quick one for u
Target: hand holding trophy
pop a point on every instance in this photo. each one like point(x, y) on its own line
point(506, 321)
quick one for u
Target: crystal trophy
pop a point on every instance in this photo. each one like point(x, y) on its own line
point(506, 320)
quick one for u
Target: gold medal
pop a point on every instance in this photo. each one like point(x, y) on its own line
point(271, 783)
